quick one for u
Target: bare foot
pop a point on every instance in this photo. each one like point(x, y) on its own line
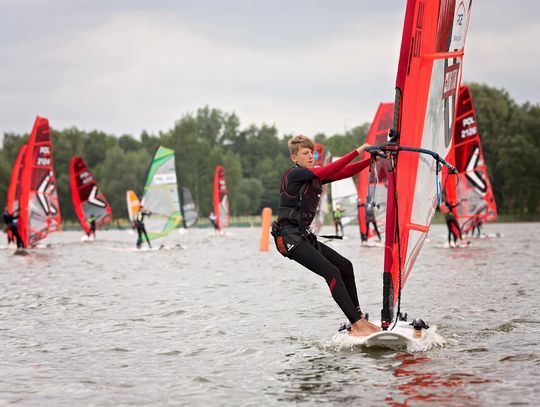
point(363, 328)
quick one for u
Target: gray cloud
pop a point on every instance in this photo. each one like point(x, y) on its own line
point(309, 66)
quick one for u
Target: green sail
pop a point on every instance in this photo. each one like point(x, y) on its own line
point(161, 195)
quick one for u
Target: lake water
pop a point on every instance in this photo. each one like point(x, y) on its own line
point(220, 323)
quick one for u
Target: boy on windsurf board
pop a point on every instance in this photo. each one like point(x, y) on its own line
point(300, 193)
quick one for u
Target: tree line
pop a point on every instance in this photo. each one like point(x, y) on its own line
point(255, 157)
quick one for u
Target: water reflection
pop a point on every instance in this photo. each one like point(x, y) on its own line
point(417, 384)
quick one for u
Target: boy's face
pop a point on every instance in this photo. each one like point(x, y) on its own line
point(304, 157)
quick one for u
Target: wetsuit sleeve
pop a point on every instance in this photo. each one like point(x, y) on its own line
point(327, 172)
point(349, 170)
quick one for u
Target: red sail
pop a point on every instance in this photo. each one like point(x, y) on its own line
point(428, 79)
point(221, 200)
point(87, 199)
point(472, 188)
point(376, 180)
point(14, 189)
point(40, 212)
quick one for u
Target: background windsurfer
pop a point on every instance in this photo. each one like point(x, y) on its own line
point(299, 198)
point(139, 224)
point(213, 220)
point(337, 214)
point(451, 222)
point(370, 219)
point(92, 223)
point(11, 223)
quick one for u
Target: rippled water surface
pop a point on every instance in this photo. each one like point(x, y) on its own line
point(219, 323)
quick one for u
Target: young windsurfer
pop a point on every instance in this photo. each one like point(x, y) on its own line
point(92, 223)
point(299, 198)
point(370, 219)
point(454, 230)
point(11, 222)
point(141, 229)
point(213, 220)
point(338, 213)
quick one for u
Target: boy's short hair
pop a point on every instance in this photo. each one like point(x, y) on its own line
point(298, 142)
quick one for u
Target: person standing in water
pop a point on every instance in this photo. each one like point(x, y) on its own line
point(300, 192)
point(337, 214)
point(213, 220)
point(11, 221)
point(370, 219)
point(92, 223)
point(454, 231)
point(141, 229)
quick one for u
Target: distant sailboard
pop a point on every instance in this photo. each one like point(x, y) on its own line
point(87, 198)
point(39, 208)
point(471, 187)
point(190, 213)
point(160, 195)
point(221, 198)
point(133, 204)
point(372, 184)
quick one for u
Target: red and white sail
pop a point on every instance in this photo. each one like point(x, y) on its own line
point(428, 79)
point(221, 198)
point(471, 188)
point(372, 185)
point(40, 211)
point(86, 196)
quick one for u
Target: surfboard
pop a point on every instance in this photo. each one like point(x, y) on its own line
point(402, 337)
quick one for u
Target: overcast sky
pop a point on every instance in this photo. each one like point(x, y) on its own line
point(123, 66)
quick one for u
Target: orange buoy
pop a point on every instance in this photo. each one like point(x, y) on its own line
point(266, 221)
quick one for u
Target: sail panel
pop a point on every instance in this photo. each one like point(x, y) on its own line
point(86, 196)
point(221, 199)
point(429, 74)
point(40, 211)
point(133, 204)
point(161, 195)
point(189, 209)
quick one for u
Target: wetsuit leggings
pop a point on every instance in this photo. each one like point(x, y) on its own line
point(453, 229)
point(336, 270)
point(140, 232)
point(15, 234)
point(338, 224)
point(374, 227)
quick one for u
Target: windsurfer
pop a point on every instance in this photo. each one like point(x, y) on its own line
point(92, 223)
point(139, 224)
point(299, 198)
point(338, 213)
point(213, 220)
point(370, 219)
point(454, 231)
point(11, 221)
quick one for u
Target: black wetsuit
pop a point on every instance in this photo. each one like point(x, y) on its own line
point(11, 222)
point(337, 222)
point(141, 230)
point(370, 219)
point(453, 226)
point(92, 222)
point(213, 221)
point(299, 198)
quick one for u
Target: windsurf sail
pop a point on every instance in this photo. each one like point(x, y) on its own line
point(321, 158)
point(372, 185)
point(40, 212)
point(14, 188)
point(87, 198)
point(221, 199)
point(190, 213)
point(160, 195)
point(428, 79)
point(133, 204)
point(471, 187)
point(344, 195)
